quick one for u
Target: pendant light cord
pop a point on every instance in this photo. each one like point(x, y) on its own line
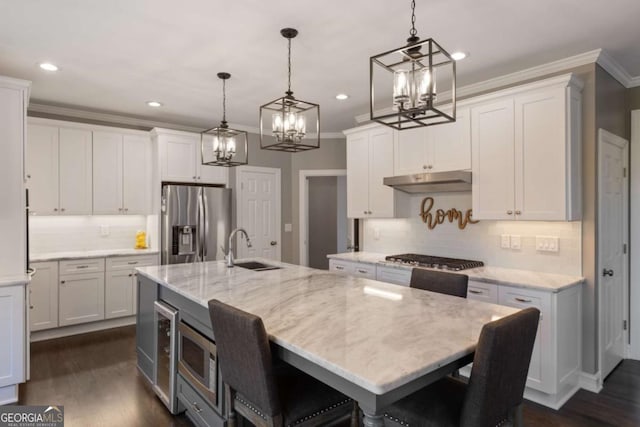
point(413, 30)
point(289, 75)
point(224, 101)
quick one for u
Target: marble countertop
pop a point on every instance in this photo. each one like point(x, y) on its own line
point(377, 335)
point(498, 275)
point(15, 280)
point(56, 256)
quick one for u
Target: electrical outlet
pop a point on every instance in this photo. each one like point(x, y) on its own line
point(288, 228)
point(104, 230)
point(376, 233)
point(505, 241)
point(516, 241)
point(547, 244)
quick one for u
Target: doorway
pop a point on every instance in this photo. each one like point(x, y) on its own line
point(613, 263)
point(324, 227)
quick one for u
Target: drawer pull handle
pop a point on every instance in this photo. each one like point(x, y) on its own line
point(522, 299)
point(473, 291)
point(339, 267)
point(363, 271)
point(62, 282)
point(195, 406)
point(82, 266)
point(131, 275)
point(132, 262)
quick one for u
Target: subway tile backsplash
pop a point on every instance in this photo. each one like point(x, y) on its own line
point(80, 233)
point(479, 241)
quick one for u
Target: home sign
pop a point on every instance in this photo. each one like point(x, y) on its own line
point(439, 216)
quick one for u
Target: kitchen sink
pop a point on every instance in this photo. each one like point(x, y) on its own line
point(256, 266)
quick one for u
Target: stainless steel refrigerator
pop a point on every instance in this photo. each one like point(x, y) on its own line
point(196, 222)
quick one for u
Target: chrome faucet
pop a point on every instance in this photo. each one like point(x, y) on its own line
point(229, 256)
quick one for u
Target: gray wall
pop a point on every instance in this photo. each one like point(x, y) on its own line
point(323, 224)
point(633, 98)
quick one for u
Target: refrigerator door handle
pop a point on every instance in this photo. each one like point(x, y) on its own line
point(205, 232)
point(200, 226)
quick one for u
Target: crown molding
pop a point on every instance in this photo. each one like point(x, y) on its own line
point(616, 70)
point(635, 82)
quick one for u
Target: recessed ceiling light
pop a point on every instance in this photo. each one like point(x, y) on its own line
point(342, 96)
point(154, 104)
point(47, 66)
point(457, 56)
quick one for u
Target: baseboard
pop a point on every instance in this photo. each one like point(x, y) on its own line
point(8, 394)
point(66, 331)
point(591, 382)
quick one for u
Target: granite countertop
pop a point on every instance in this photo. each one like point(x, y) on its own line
point(15, 280)
point(377, 335)
point(56, 256)
point(498, 275)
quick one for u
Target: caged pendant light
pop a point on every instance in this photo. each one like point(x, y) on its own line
point(414, 73)
point(223, 146)
point(293, 124)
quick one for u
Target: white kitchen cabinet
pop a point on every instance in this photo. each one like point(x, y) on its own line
point(13, 335)
point(369, 160)
point(440, 148)
point(120, 284)
point(80, 295)
point(397, 276)
point(43, 296)
point(42, 169)
point(526, 153)
point(181, 159)
point(341, 267)
point(368, 271)
point(121, 175)
point(75, 172)
point(482, 291)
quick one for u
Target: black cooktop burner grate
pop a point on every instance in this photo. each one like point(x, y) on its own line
point(453, 264)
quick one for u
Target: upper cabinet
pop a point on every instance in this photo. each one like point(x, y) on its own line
point(445, 147)
point(181, 159)
point(526, 153)
point(369, 160)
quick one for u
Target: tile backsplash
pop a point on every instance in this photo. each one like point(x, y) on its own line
point(479, 241)
point(81, 233)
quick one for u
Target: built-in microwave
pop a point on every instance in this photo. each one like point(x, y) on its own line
point(198, 362)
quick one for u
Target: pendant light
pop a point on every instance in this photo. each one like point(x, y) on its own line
point(223, 146)
point(409, 79)
point(289, 124)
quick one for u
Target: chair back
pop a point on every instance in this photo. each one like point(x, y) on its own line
point(245, 356)
point(439, 281)
point(500, 368)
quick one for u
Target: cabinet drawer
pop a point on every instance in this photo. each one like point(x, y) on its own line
point(396, 276)
point(198, 410)
point(129, 263)
point(480, 291)
point(522, 298)
point(364, 270)
point(91, 265)
point(344, 267)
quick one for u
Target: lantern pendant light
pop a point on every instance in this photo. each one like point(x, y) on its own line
point(407, 77)
point(287, 123)
point(223, 146)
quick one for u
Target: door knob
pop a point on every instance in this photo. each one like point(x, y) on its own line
point(608, 272)
point(273, 243)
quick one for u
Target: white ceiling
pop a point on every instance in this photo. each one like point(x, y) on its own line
point(114, 55)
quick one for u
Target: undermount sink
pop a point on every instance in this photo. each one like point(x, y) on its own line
point(256, 266)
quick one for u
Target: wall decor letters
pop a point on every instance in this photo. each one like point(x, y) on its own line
point(432, 220)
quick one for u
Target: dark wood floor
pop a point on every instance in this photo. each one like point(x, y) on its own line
point(95, 377)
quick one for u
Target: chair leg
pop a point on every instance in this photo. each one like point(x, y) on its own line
point(355, 415)
point(518, 420)
point(231, 412)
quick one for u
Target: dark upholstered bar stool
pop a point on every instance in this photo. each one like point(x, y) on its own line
point(493, 396)
point(439, 281)
point(266, 395)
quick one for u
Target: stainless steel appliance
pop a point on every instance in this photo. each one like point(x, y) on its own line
point(198, 362)
point(431, 182)
point(418, 260)
point(195, 223)
point(166, 321)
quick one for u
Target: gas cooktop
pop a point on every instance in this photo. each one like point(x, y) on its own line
point(418, 260)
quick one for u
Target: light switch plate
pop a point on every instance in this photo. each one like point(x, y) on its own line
point(104, 230)
point(516, 241)
point(547, 244)
point(505, 241)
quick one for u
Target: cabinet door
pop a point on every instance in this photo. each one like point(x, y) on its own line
point(368, 271)
point(493, 162)
point(339, 266)
point(119, 294)
point(410, 150)
point(541, 155)
point(42, 169)
point(81, 298)
point(210, 174)
point(13, 333)
point(180, 154)
point(43, 296)
point(449, 145)
point(107, 173)
point(357, 175)
point(381, 197)
point(75, 172)
point(136, 155)
point(398, 276)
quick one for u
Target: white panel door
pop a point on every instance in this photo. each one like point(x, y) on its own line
point(358, 175)
point(75, 172)
point(449, 145)
point(492, 144)
point(612, 235)
point(42, 169)
point(180, 153)
point(81, 298)
point(119, 294)
point(107, 173)
point(43, 296)
point(259, 212)
point(381, 201)
point(12, 335)
point(136, 173)
point(410, 152)
point(540, 156)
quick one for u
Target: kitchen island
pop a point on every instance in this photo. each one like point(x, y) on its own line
point(374, 341)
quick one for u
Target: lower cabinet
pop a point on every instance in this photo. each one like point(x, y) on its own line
point(120, 284)
point(43, 296)
point(397, 276)
point(81, 298)
point(13, 333)
point(198, 410)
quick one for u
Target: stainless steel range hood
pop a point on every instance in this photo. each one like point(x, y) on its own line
point(437, 182)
